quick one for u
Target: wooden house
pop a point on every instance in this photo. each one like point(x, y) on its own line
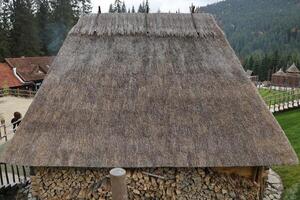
point(7, 78)
point(252, 77)
point(30, 70)
point(289, 79)
point(161, 95)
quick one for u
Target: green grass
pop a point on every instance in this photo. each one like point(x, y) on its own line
point(290, 122)
point(275, 96)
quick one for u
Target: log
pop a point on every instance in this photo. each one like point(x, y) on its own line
point(118, 184)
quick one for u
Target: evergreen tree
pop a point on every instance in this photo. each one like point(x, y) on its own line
point(144, 7)
point(123, 7)
point(132, 9)
point(147, 7)
point(111, 9)
point(63, 18)
point(141, 9)
point(63, 12)
point(43, 22)
point(24, 33)
point(85, 6)
point(118, 6)
point(4, 30)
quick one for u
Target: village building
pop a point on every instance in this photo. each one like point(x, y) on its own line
point(163, 96)
point(7, 78)
point(252, 77)
point(30, 71)
point(289, 79)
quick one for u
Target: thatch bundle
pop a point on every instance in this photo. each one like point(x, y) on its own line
point(148, 90)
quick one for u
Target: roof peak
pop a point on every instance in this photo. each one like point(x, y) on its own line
point(293, 69)
point(280, 72)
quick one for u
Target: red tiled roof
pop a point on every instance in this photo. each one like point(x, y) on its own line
point(7, 77)
point(31, 68)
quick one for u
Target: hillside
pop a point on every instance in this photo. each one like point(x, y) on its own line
point(259, 25)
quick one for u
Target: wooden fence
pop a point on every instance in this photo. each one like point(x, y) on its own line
point(13, 174)
point(283, 101)
point(3, 132)
point(17, 93)
point(10, 175)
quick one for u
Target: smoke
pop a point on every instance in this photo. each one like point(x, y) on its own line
point(57, 34)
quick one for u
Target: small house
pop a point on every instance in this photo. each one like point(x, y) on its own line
point(289, 79)
point(163, 96)
point(7, 78)
point(252, 77)
point(31, 70)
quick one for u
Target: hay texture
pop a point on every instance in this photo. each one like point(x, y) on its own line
point(148, 90)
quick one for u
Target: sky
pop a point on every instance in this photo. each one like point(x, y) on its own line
point(155, 5)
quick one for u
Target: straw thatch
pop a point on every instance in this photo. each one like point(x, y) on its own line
point(293, 69)
point(148, 90)
point(249, 72)
point(279, 73)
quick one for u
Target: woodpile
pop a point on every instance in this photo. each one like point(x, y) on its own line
point(159, 183)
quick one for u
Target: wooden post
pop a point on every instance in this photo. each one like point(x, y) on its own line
point(4, 129)
point(118, 184)
point(1, 176)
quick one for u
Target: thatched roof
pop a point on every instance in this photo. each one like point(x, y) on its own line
point(280, 72)
point(293, 69)
point(249, 72)
point(148, 90)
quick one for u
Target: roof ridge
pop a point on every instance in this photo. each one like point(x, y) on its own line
point(152, 24)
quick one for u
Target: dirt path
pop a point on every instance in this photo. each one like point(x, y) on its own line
point(9, 105)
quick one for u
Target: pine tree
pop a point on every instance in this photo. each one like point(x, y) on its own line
point(132, 9)
point(141, 9)
point(123, 10)
point(24, 34)
point(111, 9)
point(63, 12)
point(118, 6)
point(147, 7)
point(4, 30)
point(85, 6)
point(43, 22)
point(63, 18)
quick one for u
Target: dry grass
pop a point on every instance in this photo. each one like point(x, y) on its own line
point(163, 97)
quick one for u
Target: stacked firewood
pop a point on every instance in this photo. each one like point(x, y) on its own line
point(158, 183)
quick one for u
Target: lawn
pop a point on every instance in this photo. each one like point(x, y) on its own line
point(276, 96)
point(290, 122)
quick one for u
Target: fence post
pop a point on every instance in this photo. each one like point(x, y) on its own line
point(118, 184)
point(4, 129)
point(1, 176)
point(6, 174)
